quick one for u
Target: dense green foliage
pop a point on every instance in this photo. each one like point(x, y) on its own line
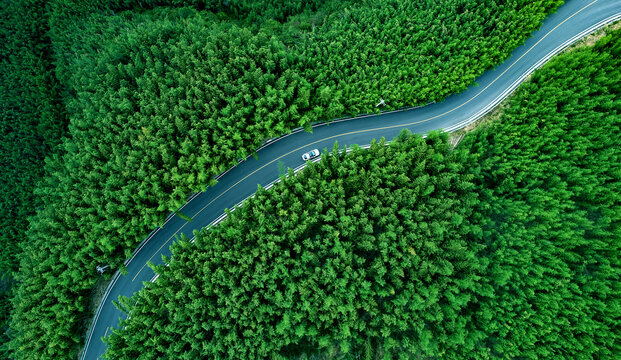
point(137, 156)
point(30, 120)
point(161, 99)
point(372, 246)
point(506, 247)
point(550, 174)
point(410, 52)
point(31, 123)
point(5, 308)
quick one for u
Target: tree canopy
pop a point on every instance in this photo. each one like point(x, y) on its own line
point(149, 100)
point(373, 248)
point(506, 246)
point(549, 179)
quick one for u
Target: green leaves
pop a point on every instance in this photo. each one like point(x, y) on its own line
point(436, 266)
point(315, 284)
point(162, 98)
point(545, 175)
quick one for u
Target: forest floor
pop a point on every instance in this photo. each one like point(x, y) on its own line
point(497, 111)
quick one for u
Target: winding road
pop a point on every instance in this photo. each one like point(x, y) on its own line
point(573, 20)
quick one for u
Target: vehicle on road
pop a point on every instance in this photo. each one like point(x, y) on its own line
point(310, 155)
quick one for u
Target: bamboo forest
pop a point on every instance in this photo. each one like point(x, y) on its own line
point(501, 242)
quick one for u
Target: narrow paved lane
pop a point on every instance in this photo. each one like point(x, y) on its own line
point(573, 20)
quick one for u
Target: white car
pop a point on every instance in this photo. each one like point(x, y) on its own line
point(310, 155)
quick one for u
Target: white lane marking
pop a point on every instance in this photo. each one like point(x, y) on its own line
point(529, 72)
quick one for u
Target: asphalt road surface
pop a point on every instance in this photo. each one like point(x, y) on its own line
point(573, 20)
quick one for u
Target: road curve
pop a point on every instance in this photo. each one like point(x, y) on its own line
point(572, 21)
